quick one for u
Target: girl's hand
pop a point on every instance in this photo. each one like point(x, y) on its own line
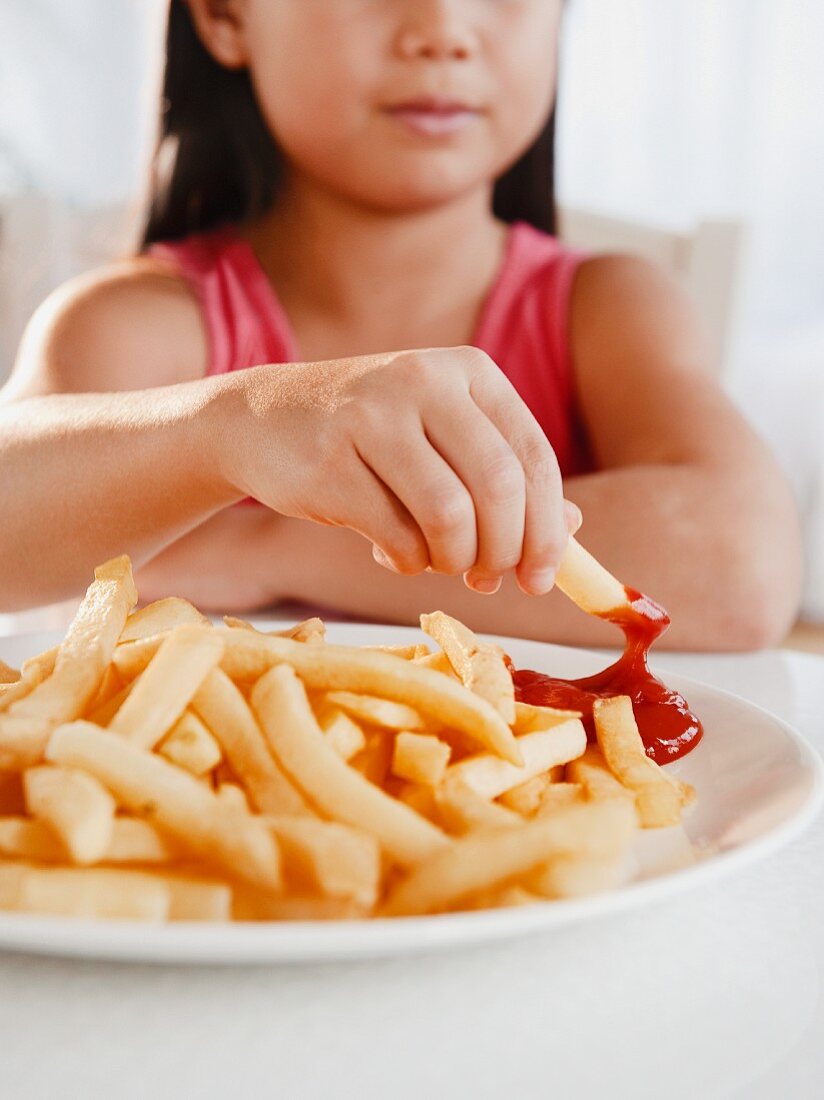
point(431, 455)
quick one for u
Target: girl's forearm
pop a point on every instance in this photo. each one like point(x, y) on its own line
point(88, 476)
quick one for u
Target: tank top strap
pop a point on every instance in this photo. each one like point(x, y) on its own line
point(245, 322)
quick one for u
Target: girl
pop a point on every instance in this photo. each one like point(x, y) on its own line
point(336, 180)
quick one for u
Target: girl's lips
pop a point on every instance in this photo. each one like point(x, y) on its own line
point(434, 121)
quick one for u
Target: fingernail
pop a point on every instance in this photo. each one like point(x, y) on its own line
point(479, 582)
point(573, 515)
point(382, 559)
point(541, 582)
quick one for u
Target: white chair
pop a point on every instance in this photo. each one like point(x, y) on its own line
point(708, 261)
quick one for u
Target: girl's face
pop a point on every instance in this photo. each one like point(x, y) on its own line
point(396, 104)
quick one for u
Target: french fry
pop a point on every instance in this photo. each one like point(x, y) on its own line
point(377, 712)
point(463, 810)
point(334, 859)
point(190, 745)
point(530, 718)
point(573, 877)
point(488, 859)
point(160, 617)
point(34, 672)
point(8, 675)
point(181, 805)
point(342, 732)
point(525, 799)
point(490, 776)
point(282, 708)
point(408, 652)
point(591, 773)
point(233, 795)
point(226, 713)
point(375, 758)
point(341, 668)
point(269, 907)
point(420, 758)
point(437, 662)
point(480, 665)
point(587, 583)
point(658, 796)
point(184, 660)
point(76, 806)
point(84, 892)
point(111, 686)
point(133, 841)
point(558, 796)
point(196, 899)
point(310, 630)
point(101, 715)
point(80, 662)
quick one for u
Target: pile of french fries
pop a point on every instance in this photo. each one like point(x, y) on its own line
point(156, 767)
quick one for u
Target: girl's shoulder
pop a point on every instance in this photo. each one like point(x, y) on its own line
point(131, 325)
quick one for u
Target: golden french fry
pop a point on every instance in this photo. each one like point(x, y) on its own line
point(196, 899)
point(133, 841)
point(310, 630)
point(226, 713)
point(267, 907)
point(591, 773)
point(233, 795)
point(578, 876)
point(184, 660)
point(437, 662)
point(463, 810)
point(34, 672)
point(8, 675)
point(480, 665)
point(408, 652)
point(282, 708)
point(420, 757)
point(334, 859)
point(342, 732)
point(111, 686)
point(483, 860)
point(558, 796)
point(26, 838)
point(587, 583)
point(181, 805)
point(658, 796)
point(80, 662)
point(525, 799)
point(530, 718)
point(377, 712)
point(101, 715)
point(341, 668)
point(159, 617)
point(490, 776)
point(190, 745)
point(76, 806)
point(84, 892)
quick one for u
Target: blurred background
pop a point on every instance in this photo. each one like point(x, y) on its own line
point(689, 129)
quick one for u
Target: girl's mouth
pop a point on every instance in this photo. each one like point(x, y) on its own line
point(433, 117)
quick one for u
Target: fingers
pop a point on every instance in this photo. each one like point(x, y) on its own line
point(545, 530)
point(371, 509)
point(431, 492)
point(494, 478)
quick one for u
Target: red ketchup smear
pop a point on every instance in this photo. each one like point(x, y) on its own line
point(667, 726)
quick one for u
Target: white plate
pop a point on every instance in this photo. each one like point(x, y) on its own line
point(758, 785)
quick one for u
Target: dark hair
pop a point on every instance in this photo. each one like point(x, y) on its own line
point(217, 162)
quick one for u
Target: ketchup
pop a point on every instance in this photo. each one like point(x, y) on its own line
point(667, 726)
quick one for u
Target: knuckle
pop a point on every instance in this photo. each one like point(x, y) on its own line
point(446, 513)
point(503, 479)
point(540, 464)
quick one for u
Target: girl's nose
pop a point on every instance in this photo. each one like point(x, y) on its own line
point(435, 31)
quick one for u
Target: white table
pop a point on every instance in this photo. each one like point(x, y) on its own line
point(713, 994)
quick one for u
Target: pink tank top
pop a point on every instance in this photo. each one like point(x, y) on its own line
point(523, 324)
